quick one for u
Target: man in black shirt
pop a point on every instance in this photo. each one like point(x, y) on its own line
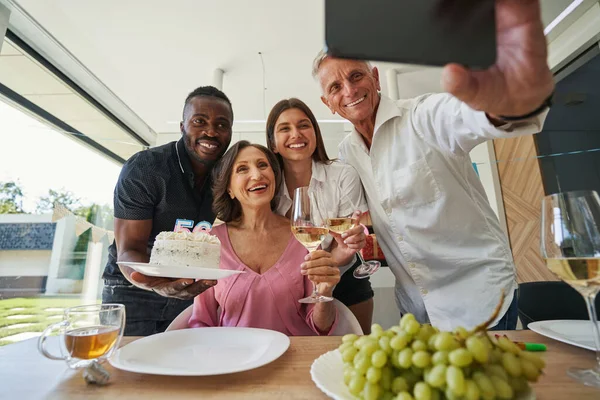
point(155, 188)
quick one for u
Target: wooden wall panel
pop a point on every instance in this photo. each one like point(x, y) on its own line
point(522, 194)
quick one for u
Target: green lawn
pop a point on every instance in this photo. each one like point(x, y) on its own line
point(36, 307)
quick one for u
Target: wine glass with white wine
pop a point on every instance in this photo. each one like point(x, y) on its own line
point(341, 225)
point(308, 228)
point(570, 244)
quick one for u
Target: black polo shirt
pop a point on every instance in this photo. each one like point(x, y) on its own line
point(158, 184)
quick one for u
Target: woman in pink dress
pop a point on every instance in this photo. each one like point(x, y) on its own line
point(256, 240)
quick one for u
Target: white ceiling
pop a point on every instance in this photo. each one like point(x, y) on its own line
point(151, 53)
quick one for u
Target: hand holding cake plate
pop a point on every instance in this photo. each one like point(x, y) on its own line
point(178, 271)
point(179, 288)
point(183, 255)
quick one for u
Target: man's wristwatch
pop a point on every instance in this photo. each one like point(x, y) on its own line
point(547, 104)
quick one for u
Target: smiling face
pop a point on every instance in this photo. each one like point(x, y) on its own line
point(252, 180)
point(206, 128)
point(294, 136)
point(349, 88)
point(293, 133)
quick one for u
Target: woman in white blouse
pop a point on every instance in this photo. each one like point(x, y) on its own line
point(336, 191)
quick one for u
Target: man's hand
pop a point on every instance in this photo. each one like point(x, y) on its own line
point(184, 289)
point(520, 80)
point(132, 240)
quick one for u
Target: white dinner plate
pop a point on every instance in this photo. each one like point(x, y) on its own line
point(575, 332)
point(327, 372)
point(201, 351)
point(172, 271)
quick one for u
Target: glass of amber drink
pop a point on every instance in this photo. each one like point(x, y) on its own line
point(87, 334)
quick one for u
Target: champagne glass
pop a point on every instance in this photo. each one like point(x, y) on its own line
point(307, 226)
point(341, 225)
point(570, 243)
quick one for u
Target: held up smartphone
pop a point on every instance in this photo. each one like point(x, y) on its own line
point(429, 32)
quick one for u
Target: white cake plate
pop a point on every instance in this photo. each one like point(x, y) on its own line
point(173, 271)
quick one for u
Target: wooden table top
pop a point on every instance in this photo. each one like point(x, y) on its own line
point(25, 374)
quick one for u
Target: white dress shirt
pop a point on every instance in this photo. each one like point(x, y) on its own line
point(430, 212)
point(335, 190)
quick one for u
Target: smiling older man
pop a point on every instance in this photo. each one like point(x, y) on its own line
point(430, 212)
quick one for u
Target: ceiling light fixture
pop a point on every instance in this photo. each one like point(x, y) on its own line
point(562, 16)
point(264, 96)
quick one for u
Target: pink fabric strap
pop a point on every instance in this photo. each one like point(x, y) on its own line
point(366, 230)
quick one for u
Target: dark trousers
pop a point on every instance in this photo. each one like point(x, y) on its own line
point(350, 290)
point(146, 312)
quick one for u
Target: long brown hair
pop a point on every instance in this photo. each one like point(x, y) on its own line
point(320, 154)
point(225, 208)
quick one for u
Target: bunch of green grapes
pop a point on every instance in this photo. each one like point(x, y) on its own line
point(418, 362)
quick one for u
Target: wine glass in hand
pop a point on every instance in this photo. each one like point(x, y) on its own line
point(342, 224)
point(570, 243)
point(307, 226)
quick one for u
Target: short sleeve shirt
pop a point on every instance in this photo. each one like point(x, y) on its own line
point(158, 184)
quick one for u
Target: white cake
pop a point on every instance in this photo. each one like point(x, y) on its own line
point(197, 249)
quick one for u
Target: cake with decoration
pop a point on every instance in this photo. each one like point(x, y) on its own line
point(189, 249)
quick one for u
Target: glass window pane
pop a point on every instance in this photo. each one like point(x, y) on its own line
point(45, 265)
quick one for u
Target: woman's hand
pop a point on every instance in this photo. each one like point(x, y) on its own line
point(348, 243)
point(321, 268)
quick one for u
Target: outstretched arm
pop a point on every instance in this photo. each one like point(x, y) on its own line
point(521, 80)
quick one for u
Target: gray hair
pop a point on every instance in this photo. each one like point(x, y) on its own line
point(321, 56)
